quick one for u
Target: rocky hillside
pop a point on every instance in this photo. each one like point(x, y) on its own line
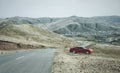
point(71, 25)
point(100, 28)
point(78, 25)
point(30, 35)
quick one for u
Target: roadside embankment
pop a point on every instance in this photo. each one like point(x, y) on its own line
point(105, 59)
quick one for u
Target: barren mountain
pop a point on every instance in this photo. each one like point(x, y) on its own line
point(30, 35)
point(99, 28)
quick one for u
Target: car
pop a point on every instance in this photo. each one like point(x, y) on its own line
point(81, 50)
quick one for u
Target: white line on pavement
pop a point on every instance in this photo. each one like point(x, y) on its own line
point(19, 57)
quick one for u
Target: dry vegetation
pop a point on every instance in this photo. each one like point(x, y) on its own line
point(105, 59)
point(31, 36)
point(105, 50)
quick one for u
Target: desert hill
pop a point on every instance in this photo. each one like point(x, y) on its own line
point(99, 28)
point(31, 35)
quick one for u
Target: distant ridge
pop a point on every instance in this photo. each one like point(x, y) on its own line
point(99, 27)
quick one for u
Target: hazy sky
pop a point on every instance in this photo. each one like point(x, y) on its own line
point(59, 8)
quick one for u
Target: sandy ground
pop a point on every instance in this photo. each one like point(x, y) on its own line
point(98, 62)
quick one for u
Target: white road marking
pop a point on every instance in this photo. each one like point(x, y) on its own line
point(20, 57)
point(24, 56)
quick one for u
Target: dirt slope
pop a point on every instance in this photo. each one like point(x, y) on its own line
point(32, 35)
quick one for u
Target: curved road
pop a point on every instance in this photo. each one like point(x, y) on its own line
point(38, 61)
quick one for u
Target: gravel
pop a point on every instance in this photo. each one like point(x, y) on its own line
point(65, 62)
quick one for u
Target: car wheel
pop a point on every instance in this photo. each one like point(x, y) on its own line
point(87, 52)
point(73, 52)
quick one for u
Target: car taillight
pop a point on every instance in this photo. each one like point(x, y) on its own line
point(91, 50)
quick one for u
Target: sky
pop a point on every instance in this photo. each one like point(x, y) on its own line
point(58, 8)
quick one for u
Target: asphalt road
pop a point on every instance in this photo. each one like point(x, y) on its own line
point(38, 61)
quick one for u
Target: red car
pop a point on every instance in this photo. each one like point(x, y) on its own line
point(81, 50)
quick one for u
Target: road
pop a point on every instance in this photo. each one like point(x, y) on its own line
point(38, 61)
